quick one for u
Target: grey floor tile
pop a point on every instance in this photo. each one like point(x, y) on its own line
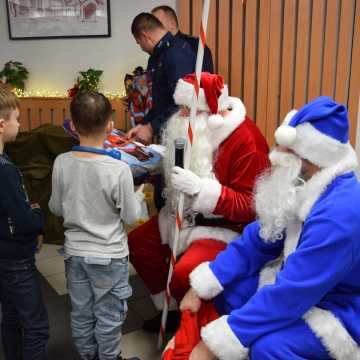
point(141, 344)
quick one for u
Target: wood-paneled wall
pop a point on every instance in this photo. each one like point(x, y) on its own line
point(35, 111)
point(277, 55)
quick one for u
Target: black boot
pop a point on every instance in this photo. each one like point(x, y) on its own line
point(172, 324)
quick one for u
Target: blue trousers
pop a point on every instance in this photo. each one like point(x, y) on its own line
point(98, 290)
point(294, 342)
point(24, 327)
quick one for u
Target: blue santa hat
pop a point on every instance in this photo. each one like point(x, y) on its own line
point(318, 132)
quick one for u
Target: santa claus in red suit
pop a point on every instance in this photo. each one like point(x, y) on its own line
point(228, 153)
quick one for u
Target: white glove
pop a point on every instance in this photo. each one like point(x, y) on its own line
point(139, 194)
point(185, 181)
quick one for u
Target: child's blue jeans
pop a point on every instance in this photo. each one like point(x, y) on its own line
point(98, 291)
point(24, 327)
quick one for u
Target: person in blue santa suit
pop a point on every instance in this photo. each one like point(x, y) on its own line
point(289, 287)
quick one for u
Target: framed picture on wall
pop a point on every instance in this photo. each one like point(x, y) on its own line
point(52, 19)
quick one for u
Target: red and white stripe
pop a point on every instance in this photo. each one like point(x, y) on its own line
point(187, 156)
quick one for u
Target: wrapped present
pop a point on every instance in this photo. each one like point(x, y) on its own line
point(143, 160)
point(138, 91)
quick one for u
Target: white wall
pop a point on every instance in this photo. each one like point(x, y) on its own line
point(53, 64)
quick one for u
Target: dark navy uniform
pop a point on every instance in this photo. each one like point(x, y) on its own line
point(173, 58)
point(208, 65)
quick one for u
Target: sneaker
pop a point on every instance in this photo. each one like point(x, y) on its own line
point(172, 324)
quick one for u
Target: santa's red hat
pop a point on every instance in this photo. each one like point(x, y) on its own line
point(213, 95)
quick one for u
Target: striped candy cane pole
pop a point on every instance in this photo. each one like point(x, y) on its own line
point(187, 157)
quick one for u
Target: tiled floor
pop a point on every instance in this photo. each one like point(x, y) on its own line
point(140, 344)
point(134, 342)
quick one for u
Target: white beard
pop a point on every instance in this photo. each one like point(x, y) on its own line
point(201, 162)
point(276, 194)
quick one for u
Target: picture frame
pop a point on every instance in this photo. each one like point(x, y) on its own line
point(58, 19)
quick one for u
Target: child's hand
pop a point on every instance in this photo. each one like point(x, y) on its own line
point(201, 352)
point(170, 346)
point(190, 301)
point(35, 206)
point(40, 240)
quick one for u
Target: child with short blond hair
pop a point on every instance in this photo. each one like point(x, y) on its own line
point(24, 324)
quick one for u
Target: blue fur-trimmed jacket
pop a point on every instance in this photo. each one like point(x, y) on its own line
point(312, 274)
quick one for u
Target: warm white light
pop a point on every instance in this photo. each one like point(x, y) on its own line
point(49, 93)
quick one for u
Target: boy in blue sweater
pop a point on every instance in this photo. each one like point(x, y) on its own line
point(24, 320)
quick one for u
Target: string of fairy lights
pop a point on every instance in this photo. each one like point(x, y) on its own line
point(45, 93)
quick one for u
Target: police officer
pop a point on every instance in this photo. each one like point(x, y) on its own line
point(168, 18)
point(170, 59)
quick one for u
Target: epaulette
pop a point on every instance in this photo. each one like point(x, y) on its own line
point(5, 161)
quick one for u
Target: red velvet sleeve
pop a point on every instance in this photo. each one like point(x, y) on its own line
point(235, 201)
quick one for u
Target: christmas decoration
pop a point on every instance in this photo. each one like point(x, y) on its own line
point(14, 73)
point(144, 161)
point(138, 92)
point(46, 93)
point(89, 80)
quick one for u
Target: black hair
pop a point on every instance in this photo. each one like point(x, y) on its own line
point(145, 22)
point(90, 112)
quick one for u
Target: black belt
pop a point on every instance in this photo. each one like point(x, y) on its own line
point(201, 220)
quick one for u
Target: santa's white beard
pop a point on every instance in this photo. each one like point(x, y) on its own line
point(201, 162)
point(276, 194)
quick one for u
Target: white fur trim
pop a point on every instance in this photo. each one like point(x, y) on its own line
point(293, 232)
point(207, 232)
point(184, 92)
point(232, 120)
point(206, 200)
point(215, 121)
point(314, 146)
point(285, 135)
point(268, 273)
point(332, 334)
point(204, 282)
point(222, 342)
point(289, 116)
point(190, 234)
point(319, 182)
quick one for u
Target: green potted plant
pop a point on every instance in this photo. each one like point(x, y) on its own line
point(15, 74)
point(88, 80)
